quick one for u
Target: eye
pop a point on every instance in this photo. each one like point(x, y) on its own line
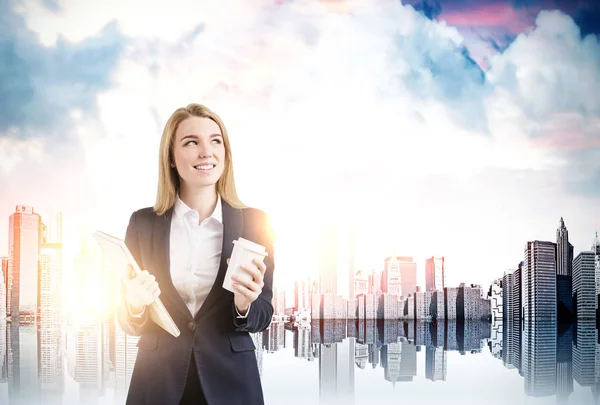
point(190, 142)
point(217, 141)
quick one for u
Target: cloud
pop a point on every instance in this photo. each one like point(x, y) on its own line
point(365, 111)
point(489, 26)
point(45, 89)
point(553, 75)
point(582, 174)
point(41, 85)
point(76, 21)
point(539, 68)
point(390, 73)
point(13, 150)
point(53, 5)
point(296, 85)
point(444, 71)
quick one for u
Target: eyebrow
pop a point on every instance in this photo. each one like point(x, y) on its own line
point(192, 136)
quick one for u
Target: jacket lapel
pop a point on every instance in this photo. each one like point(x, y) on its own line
point(161, 244)
point(233, 225)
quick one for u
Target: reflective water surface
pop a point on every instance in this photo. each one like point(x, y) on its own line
point(328, 362)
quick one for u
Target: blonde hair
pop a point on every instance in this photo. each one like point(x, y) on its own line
point(168, 178)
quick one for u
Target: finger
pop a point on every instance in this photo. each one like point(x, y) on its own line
point(141, 277)
point(227, 261)
point(246, 282)
point(148, 296)
point(153, 287)
point(130, 272)
point(255, 286)
point(253, 271)
point(246, 292)
point(262, 267)
point(147, 282)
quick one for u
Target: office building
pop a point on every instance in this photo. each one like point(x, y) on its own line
point(24, 241)
point(435, 274)
point(584, 290)
point(564, 270)
point(539, 280)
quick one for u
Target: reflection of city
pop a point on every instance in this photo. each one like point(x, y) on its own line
point(344, 348)
point(99, 358)
point(550, 357)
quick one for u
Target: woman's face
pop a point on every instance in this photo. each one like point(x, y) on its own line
point(199, 152)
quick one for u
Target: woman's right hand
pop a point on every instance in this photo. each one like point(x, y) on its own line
point(141, 291)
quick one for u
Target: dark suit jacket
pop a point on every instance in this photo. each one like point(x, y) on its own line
point(223, 349)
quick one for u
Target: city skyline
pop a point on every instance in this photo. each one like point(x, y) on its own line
point(433, 271)
point(49, 240)
point(74, 231)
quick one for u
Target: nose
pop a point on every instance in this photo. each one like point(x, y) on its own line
point(204, 149)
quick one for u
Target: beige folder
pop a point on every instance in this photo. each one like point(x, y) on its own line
point(117, 255)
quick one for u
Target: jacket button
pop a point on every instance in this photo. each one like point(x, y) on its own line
point(192, 325)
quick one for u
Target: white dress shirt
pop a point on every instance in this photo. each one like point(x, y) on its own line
point(195, 252)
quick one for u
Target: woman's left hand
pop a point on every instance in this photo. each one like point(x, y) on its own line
point(249, 289)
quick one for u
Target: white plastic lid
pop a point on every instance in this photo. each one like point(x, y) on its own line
point(255, 247)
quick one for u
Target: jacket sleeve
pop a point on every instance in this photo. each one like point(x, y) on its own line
point(260, 312)
point(131, 325)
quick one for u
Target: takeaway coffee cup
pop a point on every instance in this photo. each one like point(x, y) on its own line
point(244, 252)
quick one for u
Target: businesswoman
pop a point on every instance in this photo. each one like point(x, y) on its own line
point(184, 243)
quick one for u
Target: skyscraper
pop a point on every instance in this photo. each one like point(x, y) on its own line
point(3, 270)
point(539, 358)
point(518, 312)
point(5, 300)
point(336, 372)
point(497, 298)
point(435, 274)
point(24, 240)
point(328, 260)
point(361, 283)
point(391, 276)
point(435, 363)
point(564, 250)
point(336, 261)
point(302, 294)
point(50, 279)
point(539, 280)
point(408, 275)
point(584, 292)
point(564, 271)
point(596, 250)
point(351, 269)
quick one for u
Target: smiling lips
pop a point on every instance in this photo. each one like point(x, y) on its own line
point(205, 167)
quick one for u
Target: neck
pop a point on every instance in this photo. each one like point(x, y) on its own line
point(203, 200)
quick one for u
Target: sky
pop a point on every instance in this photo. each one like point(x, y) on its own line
point(460, 129)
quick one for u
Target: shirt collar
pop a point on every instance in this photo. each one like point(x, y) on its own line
point(181, 209)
